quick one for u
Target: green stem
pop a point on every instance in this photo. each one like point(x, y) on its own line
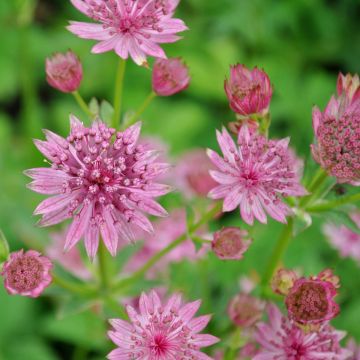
point(152, 261)
point(316, 182)
point(79, 99)
point(103, 269)
point(71, 286)
point(278, 253)
point(141, 109)
point(118, 92)
point(328, 205)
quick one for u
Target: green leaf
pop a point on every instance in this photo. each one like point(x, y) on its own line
point(198, 242)
point(94, 106)
point(339, 217)
point(302, 221)
point(106, 111)
point(4, 247)
point(72, 305)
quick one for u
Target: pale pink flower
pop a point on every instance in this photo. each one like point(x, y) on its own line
point(169, 76)
point(346, 241)
point(249, 91)
point(283, 281)
point(337, 132)
point(192, 176)
point(106, 186)
point(311, 301)
point(282, 339)
point(26, 273)
point(230, 243)
point(354, 348)
point(254, 176)
point(161, 331)
point(71, 260)
point(64, 71)
point(132, 28)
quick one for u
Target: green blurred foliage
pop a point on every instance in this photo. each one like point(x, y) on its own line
point(302, 44)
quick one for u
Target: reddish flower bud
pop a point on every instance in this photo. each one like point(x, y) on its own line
point(283, 281)
point(64, 72)
point(249, 91)
point(169, 76)
point(245, 310)
point(230, 243)
point(349, 86)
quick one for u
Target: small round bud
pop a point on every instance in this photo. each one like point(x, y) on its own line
point(283, 281)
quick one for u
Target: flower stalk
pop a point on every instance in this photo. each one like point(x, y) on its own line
point(81, 102)
point(118, 92)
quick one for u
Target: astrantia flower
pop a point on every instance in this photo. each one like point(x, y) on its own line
point(311, 301)
point(337, 131)
point(282, 339)
point(346, 241)
point(254, 176)
point(106, 186)
point(129, 27)
point(64, 72)
point(169, 76)
point(26, 273)
point(249, 91)
point(161, 331)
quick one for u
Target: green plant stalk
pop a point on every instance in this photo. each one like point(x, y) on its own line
point(71, 286)
point(329, 205)
point(118, 92)
point(316, 182)
point(152, 261)
point(103, 268)
point(79, 99)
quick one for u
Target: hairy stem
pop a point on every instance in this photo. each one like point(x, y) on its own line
point(79, 99)
point(118, 92)
point(328, 205)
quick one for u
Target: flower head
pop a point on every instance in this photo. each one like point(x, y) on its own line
point(26, 273)
point(283, 281)
point(230, 243)
point(249, 91)
point(161, 331)
point(281, 339)
point(64, 72)
point(245, 310)
point(311, 301)
point(169, 76)
point(129, 27)
point(106, 186)
point(254, 176)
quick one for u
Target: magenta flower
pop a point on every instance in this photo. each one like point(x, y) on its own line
point(106, 186)
point(249, 91)
point(337, 131)
point(230, 243)
point(311, 301)
point(169, 76)
point(161, 331)
point(129, 27)
point(282, 339)
point(346, 241)
point(26, 273)
point(254, 176)
point(64, 72)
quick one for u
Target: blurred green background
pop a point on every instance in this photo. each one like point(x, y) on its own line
point(301, 44)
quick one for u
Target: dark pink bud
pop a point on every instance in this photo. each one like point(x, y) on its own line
point(64, 72)
point(283, 281)
point(169, 76)
point(249, 91)
point(230, 243)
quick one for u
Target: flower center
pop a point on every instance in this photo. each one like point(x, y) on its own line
point(159, 345)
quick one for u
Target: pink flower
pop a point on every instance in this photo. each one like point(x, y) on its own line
point(230, 243)
point(249, 91)
point(282, 339)
point(311, 301)
point(129, 27)
point(169, 76)
point(161, 331)
point(245, 310)
point(254, 176)
point(337, 132)
point(192, 174)
point(71, 260)
point(64, 72)
point(346, 241)
point(165, 232)
point(106, 186)
point(354, 348)
point(26, 273)
point(283, 281)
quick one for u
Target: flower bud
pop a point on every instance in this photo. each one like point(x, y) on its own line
point(283, 281)
point(169, 76)
point(64, 72)
point(230, 243)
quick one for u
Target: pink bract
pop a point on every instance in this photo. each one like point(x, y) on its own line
point(352, 346)
point(249, 91)
point(254, 176)
point(161, 331)
point(282, 339)
point(169, 76)
point(107, 186)
point(64, 72)
point(132, 28)
point(283, 281)
point(26, 273)
point(349, 87)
